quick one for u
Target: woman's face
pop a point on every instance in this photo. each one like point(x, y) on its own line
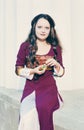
point(42, 29)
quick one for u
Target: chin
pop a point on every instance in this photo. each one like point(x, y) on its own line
point(42, 39)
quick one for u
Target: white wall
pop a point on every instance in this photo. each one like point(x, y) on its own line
point(8, 42)
point(15, 18)
point(77, 41)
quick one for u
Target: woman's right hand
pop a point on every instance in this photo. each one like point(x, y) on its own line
point(40, 69)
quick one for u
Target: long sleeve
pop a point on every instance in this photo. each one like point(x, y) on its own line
point(21, 58)
point(59, 59)
point(59, 56)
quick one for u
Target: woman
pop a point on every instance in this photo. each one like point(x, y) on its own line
point(39, 57)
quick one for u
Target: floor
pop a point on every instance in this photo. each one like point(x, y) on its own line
point(69, 117)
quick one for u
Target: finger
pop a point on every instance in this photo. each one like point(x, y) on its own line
point(41, 72)
point(51, 64)
point(50, 60)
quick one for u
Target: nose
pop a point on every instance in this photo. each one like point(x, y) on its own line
point(43, 30)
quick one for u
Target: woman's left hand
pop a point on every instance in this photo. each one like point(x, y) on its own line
point(52, 62)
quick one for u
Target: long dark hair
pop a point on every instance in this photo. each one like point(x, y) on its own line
point(31, 39)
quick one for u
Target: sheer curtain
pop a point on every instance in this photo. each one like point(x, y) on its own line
point(15, 18)
point(8, 42)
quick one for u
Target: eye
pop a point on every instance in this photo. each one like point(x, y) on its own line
point(47, 27)
point(39, 26)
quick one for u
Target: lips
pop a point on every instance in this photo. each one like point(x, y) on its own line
point(42, 34)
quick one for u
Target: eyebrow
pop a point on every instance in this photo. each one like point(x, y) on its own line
point(42, 25)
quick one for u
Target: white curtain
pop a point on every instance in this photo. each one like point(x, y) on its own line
point(8, 42)
point(15, 18)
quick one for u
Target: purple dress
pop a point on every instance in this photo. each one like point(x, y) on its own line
point(41, 94)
